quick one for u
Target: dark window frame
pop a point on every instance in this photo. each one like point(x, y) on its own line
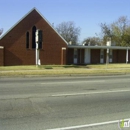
point(27, 40)
point(33, 37)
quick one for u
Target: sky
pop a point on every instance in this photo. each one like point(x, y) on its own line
point(86, 14)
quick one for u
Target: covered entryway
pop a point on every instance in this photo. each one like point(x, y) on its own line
point(98, 54)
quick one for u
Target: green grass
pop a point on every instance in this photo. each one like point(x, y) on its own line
point(33, 67)
point(6, 68)
point(109, 66)
point(65, 70)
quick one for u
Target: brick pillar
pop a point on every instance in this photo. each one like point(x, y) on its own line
point(1, 56)
point(63, 56)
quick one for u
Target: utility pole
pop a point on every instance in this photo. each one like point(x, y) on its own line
point(38, 37)
point(107, 54)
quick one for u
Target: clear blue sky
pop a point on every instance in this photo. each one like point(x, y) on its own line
point(87, 14)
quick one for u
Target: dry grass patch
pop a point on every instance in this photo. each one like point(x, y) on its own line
point(65, 70)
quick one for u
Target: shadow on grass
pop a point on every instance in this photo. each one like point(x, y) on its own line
point(48, 68)
point(45, 67)
point(62, 66)
point(71, 66)
point(75, 66)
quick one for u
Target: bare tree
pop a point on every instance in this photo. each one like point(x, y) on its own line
point(69, 31)
point(106, 32)
point(106, 29)
point(119, 31)
point(92, 41)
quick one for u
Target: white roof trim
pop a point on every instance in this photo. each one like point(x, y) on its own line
point(26, 16)
point(100, 47)
point(51, 26)
point(1, 47)
point(16, 23)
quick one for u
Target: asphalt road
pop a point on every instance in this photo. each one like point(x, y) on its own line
point(63, 103)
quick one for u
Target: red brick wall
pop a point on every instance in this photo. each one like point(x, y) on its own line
point(95, 56)
point(15, 43)
point(115, 56)
point(70, 56)
point(1, 56)
point(129, 56)
point(119, 56)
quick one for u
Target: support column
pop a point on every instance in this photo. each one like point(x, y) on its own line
point(107, 57)
point(87, 56)
point(110, 56)
point(127, 55)
point(1, 56)
point(101, 56)
point(63, 56)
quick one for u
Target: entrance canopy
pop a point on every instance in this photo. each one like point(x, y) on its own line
point(79, 54)
point(98, 47)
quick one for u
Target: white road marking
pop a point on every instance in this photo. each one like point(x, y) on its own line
point(101, 92)
point(100, 81)
point(89, 125)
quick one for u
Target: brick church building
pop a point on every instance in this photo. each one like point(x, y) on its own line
point(17, 46)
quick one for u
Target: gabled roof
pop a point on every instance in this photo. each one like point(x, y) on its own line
point(26, 16)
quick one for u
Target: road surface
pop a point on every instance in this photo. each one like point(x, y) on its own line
point(63, 103)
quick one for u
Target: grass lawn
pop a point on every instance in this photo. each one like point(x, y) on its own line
point(99, 69)
point(110, 66)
